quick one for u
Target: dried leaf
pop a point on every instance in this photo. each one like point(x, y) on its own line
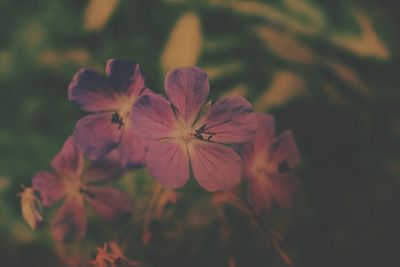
point(350, 76)
point(98, 12)
point(183, 47)
point(365, 44)
point(54, 58)
point(300, 17)
point(31, 208)
point(285, 45)
point(285, 87)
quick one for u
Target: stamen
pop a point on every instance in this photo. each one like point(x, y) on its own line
point(116, 118)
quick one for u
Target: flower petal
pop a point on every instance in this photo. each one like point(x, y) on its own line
point(267, 188)
point(230, 120)
point(50, 186)
point(216, 167)
point(152, 117)
point(93, 92)
point(96, 135)
point(284, 152)
point(125, 76)
point(168, 163)
point(132, 150)
point(110, 204)
point(187, 89)
point(265, 133)
point(69, 224)
point(70, 159)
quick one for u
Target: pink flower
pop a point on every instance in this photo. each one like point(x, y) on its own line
point(73, 182)
point(180, 137)
point(268, 162)
point(110, 98)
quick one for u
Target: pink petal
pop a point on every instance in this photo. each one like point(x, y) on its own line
point(92, 91)
point(96, 135)
point(168, 163)
point(152, 117)
point(132, 150)
point(70, 159)
point(215, 166)
point(69, 224)
point(284, 152)
point(261, 142)
point(265, 133)
point(125, 76)
point(50, 186)
point(267, 188)
point(187, 89)
point(110, 204)
point(230, 120)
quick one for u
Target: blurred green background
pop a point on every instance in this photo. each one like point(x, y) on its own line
point(326, 69)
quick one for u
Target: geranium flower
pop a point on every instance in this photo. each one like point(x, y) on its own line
point(268, 163)
point(109, 98)
point(181, 138)
point(75, 184)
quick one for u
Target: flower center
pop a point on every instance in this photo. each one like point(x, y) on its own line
point(186, 134)
point(120, 116)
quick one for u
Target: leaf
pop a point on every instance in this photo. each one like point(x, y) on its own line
point(285, 87)
point(183, 47)
point(349, 76)
point(285, 45)
point(300, 17)
point(98, 12)
point(54, 58)
point(31, 208)
point(365, 44)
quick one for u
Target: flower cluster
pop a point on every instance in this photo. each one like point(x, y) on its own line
point(176, 136)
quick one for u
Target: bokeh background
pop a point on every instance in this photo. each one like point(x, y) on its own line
point(326, 69)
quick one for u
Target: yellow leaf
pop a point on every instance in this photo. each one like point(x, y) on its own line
point(300, 17)
point(31, 208)
point(365, 44)
point(285, 87)
point(285, 45)
point(239, 90)
point(98, 13)
point(183, 47)
point(54, 58)
point(350, 76)
point(214, 72)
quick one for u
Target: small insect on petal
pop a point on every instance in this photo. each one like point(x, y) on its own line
point(31, 209)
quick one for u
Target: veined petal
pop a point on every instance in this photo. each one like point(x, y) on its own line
point(216, 167)
point(152, 117)
point(132, 150)
point(69, 223)
point(125, 76)
point(93, 92)
point(110, 204)
point(70, 159)
point(230, 120)
point(96, 135)
point(284, 152)
point(50, 186)
point(168, 163)
point(187, 89)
